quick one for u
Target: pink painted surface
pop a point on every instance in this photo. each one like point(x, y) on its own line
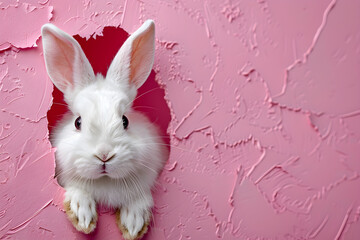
point(265, 110)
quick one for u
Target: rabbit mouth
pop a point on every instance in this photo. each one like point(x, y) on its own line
point(103, 169)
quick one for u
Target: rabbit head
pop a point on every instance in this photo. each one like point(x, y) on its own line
point(102, 135)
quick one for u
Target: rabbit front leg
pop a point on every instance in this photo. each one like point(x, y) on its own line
point(80, 208)
point(133, 220)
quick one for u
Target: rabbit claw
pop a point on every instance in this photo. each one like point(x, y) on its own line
point(81, 212)
point(132, 224)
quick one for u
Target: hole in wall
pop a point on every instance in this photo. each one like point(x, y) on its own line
point(100, 52)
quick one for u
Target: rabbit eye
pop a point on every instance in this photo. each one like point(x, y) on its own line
point(125, 121)
point(78, 123)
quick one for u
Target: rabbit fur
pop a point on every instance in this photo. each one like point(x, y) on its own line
point(102, 161)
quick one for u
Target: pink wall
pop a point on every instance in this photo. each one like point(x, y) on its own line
point(265, 111)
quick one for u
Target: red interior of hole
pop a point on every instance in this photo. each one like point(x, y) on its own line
point(100, 52)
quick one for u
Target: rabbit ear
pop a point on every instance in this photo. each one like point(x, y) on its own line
point(65, 61)
point(133, 62)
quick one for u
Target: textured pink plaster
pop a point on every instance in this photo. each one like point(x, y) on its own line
point(264, 99)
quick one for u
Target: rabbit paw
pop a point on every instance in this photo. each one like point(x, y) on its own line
point(133, 224)
point(81, 211)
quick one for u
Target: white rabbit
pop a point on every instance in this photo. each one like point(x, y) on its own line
point(106, 153)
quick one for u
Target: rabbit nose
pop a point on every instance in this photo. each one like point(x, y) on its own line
point(104, 152)
point(104, 157)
